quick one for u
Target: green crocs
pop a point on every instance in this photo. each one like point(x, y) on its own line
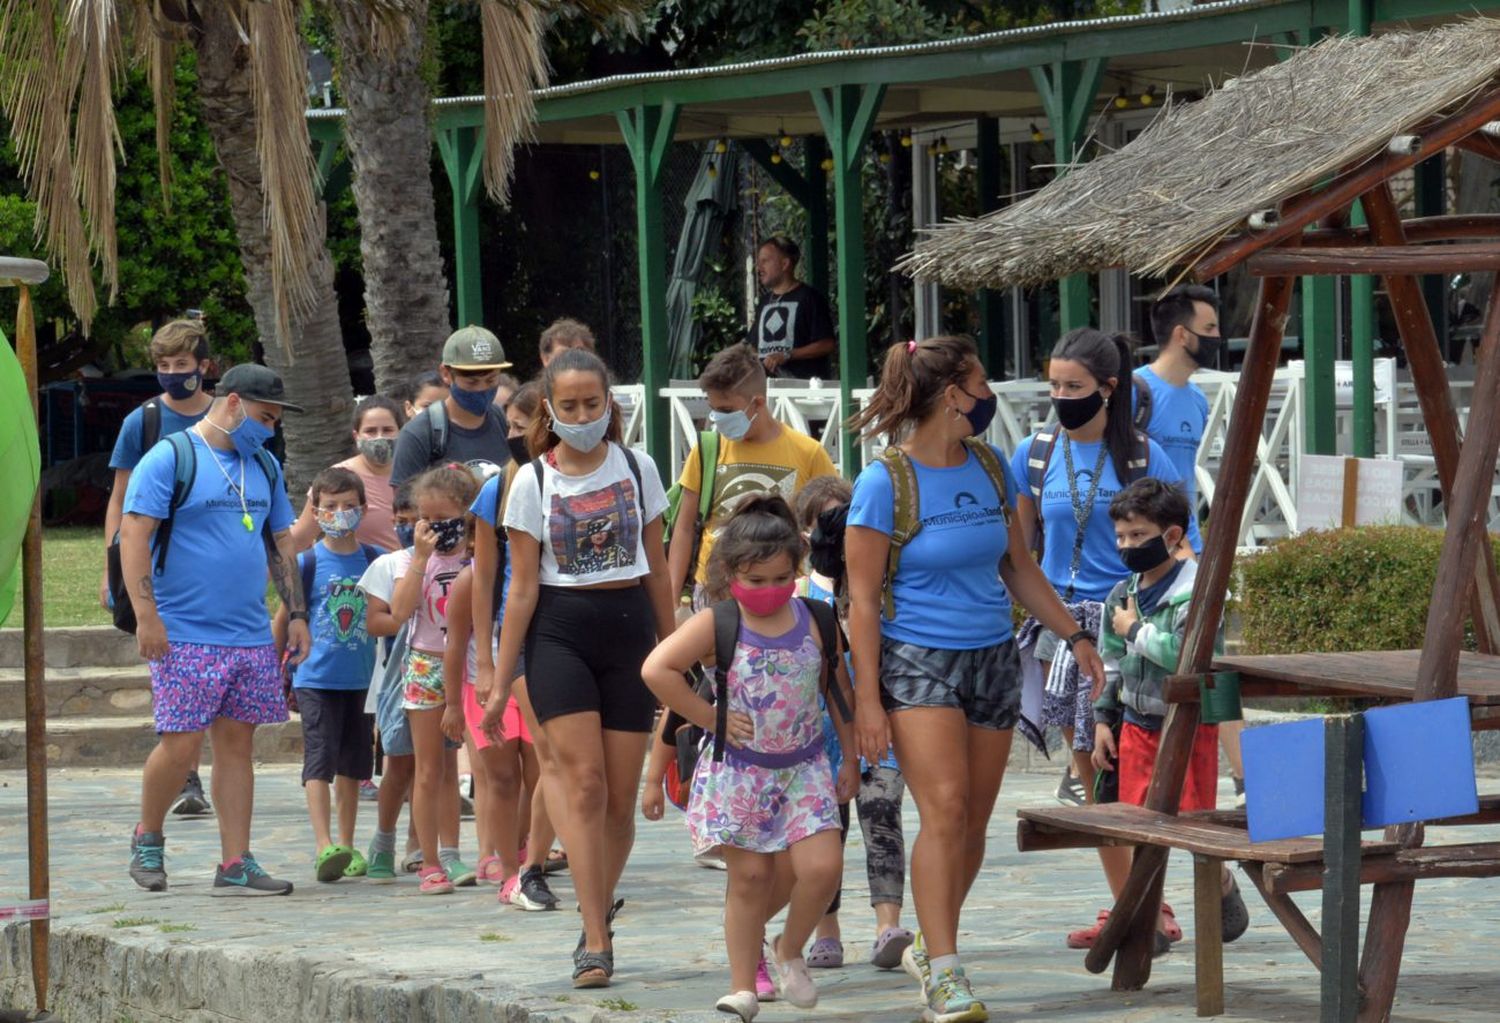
point(382, 868)
point(358, 865)
point(332, 861)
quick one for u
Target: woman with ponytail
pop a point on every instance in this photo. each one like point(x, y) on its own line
point(935, 663)
point(1070, 473)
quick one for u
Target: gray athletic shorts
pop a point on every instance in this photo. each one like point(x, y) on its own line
point(985, 684)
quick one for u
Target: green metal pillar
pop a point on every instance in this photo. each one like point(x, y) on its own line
point(815, 248)
point(991, 302)
point(1068, 89)
point(848, 112)
point(1362, 302)
point(1319, 298)
point(648, 135)
point(462, 150)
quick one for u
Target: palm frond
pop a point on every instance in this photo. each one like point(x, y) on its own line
point(294, 223)
point(515, 62)
point(93, 56)
point(156, 40)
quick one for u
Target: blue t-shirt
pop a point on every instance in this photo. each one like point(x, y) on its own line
point(948, 592)
point(127, 453)
point(835, 752)
point(343, 653)
point(1101, 566)
point(213, 590)
point(1179, 415)
point(486, 509)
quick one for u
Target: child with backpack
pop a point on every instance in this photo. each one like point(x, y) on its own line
point(768, 786)
point(1145, 619)
point(329, 687)
point(1072, 472)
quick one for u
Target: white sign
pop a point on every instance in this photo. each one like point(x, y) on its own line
point(1343, 381)
point(1320, 492)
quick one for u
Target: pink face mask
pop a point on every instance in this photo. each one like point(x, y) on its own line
point(762, 601)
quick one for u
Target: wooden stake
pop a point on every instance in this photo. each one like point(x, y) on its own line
point(1350, 511)
point(1208, 934)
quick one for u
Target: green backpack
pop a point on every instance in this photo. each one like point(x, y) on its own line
point(708, 464)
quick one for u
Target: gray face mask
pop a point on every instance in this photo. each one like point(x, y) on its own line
point(581, 437)
point(378, 450)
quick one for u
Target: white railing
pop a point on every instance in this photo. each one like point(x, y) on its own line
point(1024, 407)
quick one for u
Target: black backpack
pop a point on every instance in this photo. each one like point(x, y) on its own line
point(309, 566)
point(184, 471)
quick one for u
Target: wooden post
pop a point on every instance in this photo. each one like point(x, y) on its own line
point(1208, 934)
point(1430, 375)
point(35, 659)
point(1343, 776)
point(1131, 926)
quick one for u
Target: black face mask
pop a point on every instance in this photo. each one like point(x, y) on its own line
point(1147, 556)
point(1208, 348)
point(982, 414)
point(518, 449)
point(1074, 413)
point(450, 532)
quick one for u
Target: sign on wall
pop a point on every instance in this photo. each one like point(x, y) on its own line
point(1333, 492)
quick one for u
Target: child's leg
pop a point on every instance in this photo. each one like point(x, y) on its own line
point(879, 806)
point(347, 790)
point(828, 927)
point(447, 795)
point(426, 793)
point(318, 812)
point(750, 875)
point(483, 821)
point(394, 784)
point(531, 778)
point(541, 830)
point(500, 766)
point(818, 866)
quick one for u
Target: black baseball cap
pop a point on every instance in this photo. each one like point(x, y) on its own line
point(253, 382)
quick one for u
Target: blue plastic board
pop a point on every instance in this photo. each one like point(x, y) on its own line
point(1419, 763)
point(1284, 779)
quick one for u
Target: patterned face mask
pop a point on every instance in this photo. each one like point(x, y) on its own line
point(450, 533)
point(339, 522)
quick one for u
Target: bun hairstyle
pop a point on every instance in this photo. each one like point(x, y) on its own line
point(453, 481)
point(1107, 359)
point(912, 380)
point(540, 438)
point(762, 528)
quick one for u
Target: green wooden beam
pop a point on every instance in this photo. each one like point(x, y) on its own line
point(991, 302)
point(1362, 298)
point(815, 247)
point(1068, 89)
point(1319, 298)
point(783, 173)
point(462, 150)
point(648, 134)
point(848, 113)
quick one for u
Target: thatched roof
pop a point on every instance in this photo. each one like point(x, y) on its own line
point(1200, 169)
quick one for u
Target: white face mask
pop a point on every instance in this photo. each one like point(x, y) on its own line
point(581, 437)
point(732, 425)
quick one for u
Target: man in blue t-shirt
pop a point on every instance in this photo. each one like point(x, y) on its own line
point(180, 352)
point(201, 615)
point(1185, 323)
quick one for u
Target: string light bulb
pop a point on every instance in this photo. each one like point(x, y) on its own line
point(1149, 96)
point(827, 163)
point(713, 170)
point(594, 174)
point(1036, 133)
point(1122, 100)
point(785, 140)
point(942, 146)
point(906, 140)
point(775, 157)
point(885, 157)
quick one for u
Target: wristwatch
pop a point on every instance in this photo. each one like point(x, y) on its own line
point(301, 616)
point(1080, 634)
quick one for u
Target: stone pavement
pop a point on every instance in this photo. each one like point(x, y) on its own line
point(354, 951)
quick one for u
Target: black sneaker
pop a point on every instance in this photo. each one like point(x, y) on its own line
point(1070, 789)
point(147, 868)
point(191, 802)
point(532, 893)
point(247, 878)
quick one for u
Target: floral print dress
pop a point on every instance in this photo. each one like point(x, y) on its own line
point(774, 680)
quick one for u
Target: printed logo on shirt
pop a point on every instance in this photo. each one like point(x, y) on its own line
point(343, 619)
point(777, 328)
point(967, 510)
point(435, 597)
point(737, 482)
point(595, 532)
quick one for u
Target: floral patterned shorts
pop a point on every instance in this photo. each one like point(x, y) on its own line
point(422, 681)
point(198, 682)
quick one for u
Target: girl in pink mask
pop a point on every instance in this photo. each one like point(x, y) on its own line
point(773, 791)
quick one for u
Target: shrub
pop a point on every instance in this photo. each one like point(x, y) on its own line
point(1348, 589)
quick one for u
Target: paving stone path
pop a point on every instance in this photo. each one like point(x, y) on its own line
point(354, 951)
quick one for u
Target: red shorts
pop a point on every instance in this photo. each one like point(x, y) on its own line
point(512, 724)
point(1138, 748)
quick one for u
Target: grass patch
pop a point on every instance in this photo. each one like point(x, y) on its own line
point(492, 936)
point(72, 565)
point(618, 1004)
point(113, 907)
point(136, 921)
point(176, 928)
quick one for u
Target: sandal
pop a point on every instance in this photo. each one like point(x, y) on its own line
point(1169, 925)
point(826, 954)
point(593, 969)
point(557, 860)
point(888, 947)
point(1233, 913)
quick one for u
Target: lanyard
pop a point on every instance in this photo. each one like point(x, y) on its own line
point(1082, 509)
point(239, 491)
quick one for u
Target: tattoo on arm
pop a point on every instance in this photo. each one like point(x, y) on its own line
point(286, 578)
point(145, 590)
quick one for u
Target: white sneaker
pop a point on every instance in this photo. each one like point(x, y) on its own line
point(711, 861)
point(743, 1004)
point(793, 982)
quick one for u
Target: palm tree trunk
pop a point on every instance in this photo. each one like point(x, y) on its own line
point(317, 372)
point(389, 140)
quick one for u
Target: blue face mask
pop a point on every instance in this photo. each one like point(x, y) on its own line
point(473, 402)
point(406, 534)
point(180, 386)
point(249, 436)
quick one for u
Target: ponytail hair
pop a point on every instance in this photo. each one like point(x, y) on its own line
point(540, 437)
point(1107, 358)
point(762, 528)
point(913, 377)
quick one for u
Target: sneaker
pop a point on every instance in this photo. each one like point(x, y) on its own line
point(331, 863)
point(462, 875)
point(358, 865)
point(369, 792)
point(743, 1004)
point(1070, 789)
point(765, 987)
point(1239, 793)
point(147, 867)
point(435, 882)
point(1086, 937)
point(532, 893)
point(952, 1001)
point(914, 962)
point(794, 983)
point(382, 868)
point(490, 870)
point(508, 889)
point(411, 863)
point(246, 877)
point(191, 802)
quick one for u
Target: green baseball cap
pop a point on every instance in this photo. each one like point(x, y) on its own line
point(473, 348)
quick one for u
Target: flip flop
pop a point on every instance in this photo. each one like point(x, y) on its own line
point(826, 954)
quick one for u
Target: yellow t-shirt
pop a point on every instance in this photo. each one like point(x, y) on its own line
point(782, 466)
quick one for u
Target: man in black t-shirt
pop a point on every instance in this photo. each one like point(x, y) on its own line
point(466, 427)
point(793, 330)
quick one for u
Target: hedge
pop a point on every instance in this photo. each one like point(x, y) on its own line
point(1348, 589)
